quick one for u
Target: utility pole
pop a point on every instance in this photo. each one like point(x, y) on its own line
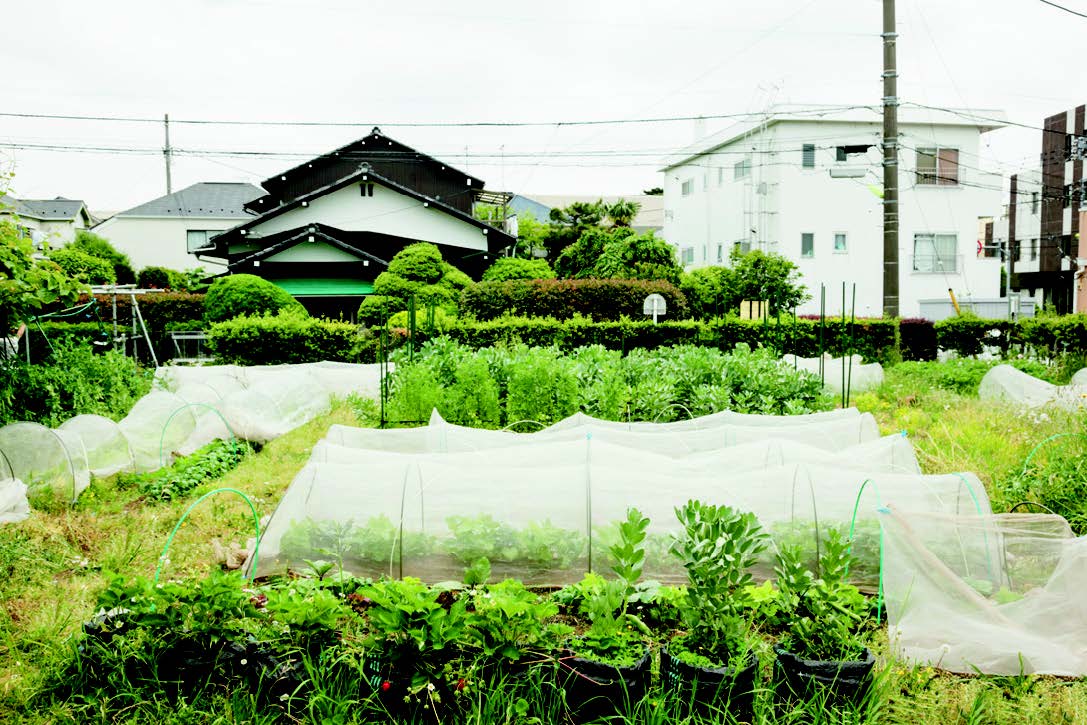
point(890, 163)
point(166, 152)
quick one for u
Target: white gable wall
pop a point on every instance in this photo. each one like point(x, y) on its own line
point(386, 212)
point(161, 241)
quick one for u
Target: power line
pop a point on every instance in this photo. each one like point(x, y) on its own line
point(815, 111)
point(1067, 10)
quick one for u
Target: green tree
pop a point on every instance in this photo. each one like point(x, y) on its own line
point(760, 275)
point(417, 270)
point(100, 247)
point(618, 253)
point(83, 267)
point(569, 223)
point(28, 285)
point(622, 212)
point(710, 291)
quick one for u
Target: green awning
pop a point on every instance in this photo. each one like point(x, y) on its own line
point(325, 286)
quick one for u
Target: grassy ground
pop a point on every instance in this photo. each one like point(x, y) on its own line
point(53, 565)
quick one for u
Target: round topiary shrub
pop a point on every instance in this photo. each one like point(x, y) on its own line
point(159, 278)
point(507, 268)
point(420, 262)
point(81, 266)
point(246, 294)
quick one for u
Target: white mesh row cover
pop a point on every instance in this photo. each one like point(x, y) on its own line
point(276, 405)
point(705, 421)
point(14, 506)
point(1001, 595)
point(337, 378)
point(1009, 384)
point(889, 454)
point(431, 515)
point(47, 461)
point(442, 437)
point(106, 447)
point(1080, 378)
point(157, 425)
point(858, 376)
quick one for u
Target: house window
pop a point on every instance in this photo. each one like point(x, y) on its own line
point(742, 169)
point(807, 245)
point(687, 187)
point(669, 215)
point(807, 156)
point(936, 253)
point(840, 242)
point(720, 253)
point(743, 247)
point(687, 255)
point(705, 181)
point(842, 153)
point(1033, 250)
point(198, 239)
point(720, 175)
point(938, 166)
point(1034, 202)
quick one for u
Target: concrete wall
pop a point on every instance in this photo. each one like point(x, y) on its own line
point(778, 200)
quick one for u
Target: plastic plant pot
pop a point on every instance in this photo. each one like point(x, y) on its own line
point(843, 681)
point(711, 689)
point(596, 690)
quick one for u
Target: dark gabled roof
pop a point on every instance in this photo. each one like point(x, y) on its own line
point(493, 234)
point(390, 147)
point(59, 209)
point(205, 199)
point(318, 231)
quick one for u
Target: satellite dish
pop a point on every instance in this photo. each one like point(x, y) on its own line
point(654, 305)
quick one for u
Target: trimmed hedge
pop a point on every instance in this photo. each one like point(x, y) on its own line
point(917, 339)
point(874, 339)
point(284, 338)
point(562, 299)
point(246, 294)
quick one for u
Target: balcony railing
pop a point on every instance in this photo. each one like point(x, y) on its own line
point(936, 263)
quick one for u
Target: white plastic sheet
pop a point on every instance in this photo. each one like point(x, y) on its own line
point(840, 373)
point(1009, 384)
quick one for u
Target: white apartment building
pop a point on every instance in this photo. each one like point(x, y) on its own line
point(807, 184)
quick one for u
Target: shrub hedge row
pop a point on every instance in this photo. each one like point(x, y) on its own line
point(284, 338)
point(598, 299)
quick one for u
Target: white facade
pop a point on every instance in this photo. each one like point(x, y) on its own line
point(163, 241)
point(387, 211)
point(810, 188)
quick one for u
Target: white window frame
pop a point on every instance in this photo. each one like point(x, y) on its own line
point(845, 243)
point(804, 156)
point(935, 261)
point(686, 256)
point(686, 188)
point(741, 169)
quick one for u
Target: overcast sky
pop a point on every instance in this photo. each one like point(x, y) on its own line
point(378, 62)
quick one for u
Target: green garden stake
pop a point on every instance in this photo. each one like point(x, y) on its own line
point(841, 339)
point(411, 328)
point(822, 323)
point(193, 505)
point(852, 332)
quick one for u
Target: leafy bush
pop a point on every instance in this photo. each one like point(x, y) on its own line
point(73, 381)
point(709, 291)
point(160, 278)
point(283, 338)
point(600, 299)
point(246, 294)
point(618, 253)
point(83, 267)
point(100, 247)
point(507, 268)
point(917, 339)
point(211, 462)
point(968, 334)
point(1055, 478)
point(499, 386)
